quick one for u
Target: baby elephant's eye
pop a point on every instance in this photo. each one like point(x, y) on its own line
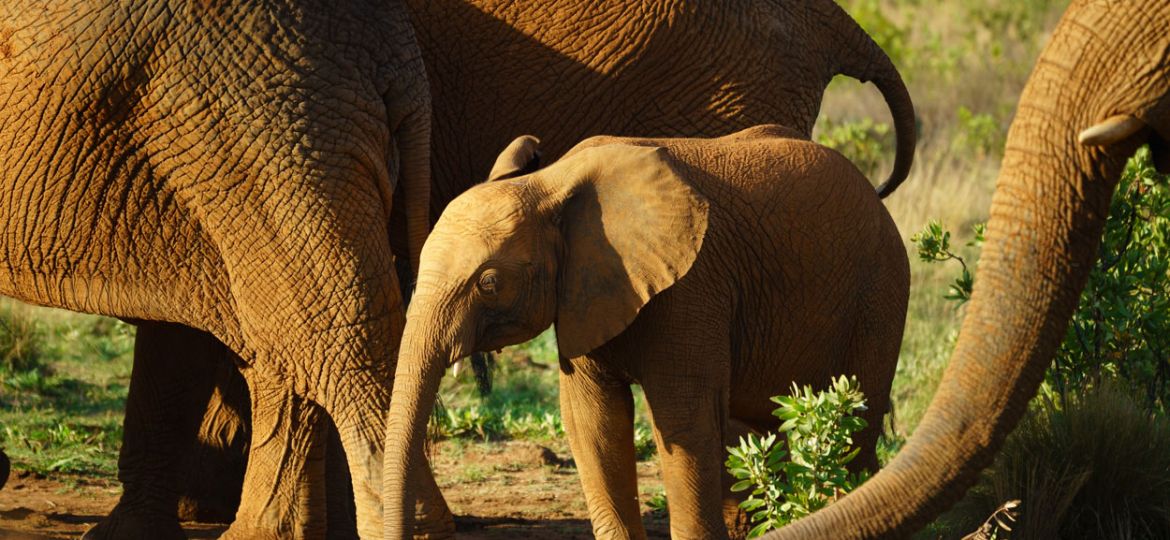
point(487, 282)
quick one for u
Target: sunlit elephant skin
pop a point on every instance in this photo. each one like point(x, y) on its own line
point(1100, 89)
point(712, 272)
point(755, 62)
point(233, 167)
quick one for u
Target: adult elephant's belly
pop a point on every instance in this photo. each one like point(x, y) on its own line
point(114, 242)
point(86, 221)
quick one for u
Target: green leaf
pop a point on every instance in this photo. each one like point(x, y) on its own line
point(741, 485)
point(760, 529)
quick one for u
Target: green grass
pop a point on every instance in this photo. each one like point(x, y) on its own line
point(63, 388)
point(524, 402)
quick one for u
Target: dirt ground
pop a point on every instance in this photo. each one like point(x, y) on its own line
point(515, 489)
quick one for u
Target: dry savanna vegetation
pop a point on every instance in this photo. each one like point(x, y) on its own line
point(502, 459)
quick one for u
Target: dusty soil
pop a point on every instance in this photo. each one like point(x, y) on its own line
point(515, 489)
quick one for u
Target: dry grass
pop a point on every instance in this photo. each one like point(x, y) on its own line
point(1098, 468)
point(965, 64)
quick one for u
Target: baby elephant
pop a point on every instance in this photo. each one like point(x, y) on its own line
point(712, 272)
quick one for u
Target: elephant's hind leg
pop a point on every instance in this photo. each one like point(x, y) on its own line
point(737, 521)
point(170, 384)
point(873, 357)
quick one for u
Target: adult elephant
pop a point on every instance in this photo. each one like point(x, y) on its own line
point(1100, 89)
point(568, 69)
point(228, 166)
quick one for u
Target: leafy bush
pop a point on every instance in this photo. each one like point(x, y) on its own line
point(1096, 467)
point(819, 428)
point(644, 446)
point(979, 134)
point(934, 245)
point(872, 18)
point(657, 503)
point(866, 143)
point(1121, 328)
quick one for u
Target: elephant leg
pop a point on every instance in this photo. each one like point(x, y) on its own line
point(362, 439)
point(689, 408)
point(214, 468)
point(284, 483)
point(736, 520)
point(172, 379)
point(873, 357)
point(341, 514)
point(598, 411)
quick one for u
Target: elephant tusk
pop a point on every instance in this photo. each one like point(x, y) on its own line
point(1112, 130)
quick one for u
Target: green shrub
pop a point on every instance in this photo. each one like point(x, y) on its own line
point(979, 134)
point(644, 447)
point(934, 245)
point(872, 18)
point(1096, 467)
point(819, 428)
point(1121, 328)
point(866, 143)
point(657, 503)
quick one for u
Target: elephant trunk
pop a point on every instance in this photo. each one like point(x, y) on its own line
point(862, 59)
point(421, 364)
point(1049, 208)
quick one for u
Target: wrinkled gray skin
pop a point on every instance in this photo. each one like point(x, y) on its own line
point(233, 167)
point(668, 69)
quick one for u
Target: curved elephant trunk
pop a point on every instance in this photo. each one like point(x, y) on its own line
point(421, 364)
point(862, 59)
point(1046, 220)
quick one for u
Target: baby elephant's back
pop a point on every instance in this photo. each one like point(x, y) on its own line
point(771, 177)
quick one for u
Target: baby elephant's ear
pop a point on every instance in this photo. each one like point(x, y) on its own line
point(632, 227)
point(521, 157)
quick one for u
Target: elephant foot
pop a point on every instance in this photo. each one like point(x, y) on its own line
point(433, 522)
point(737, 521)
point(123, 525)
point(243, 532)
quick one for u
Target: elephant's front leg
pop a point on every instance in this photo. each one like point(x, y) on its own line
point(284, 484)
point(689, 411)
point(598, 411)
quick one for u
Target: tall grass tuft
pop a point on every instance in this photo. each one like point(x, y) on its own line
point(1098, 468)
point(21, 341)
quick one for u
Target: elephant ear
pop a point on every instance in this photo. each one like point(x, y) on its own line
point(631, 227)
point(521, 157)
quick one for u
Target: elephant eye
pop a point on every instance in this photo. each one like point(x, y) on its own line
point(487, 282)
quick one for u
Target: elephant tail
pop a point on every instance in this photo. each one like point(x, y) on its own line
point(861, 58)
